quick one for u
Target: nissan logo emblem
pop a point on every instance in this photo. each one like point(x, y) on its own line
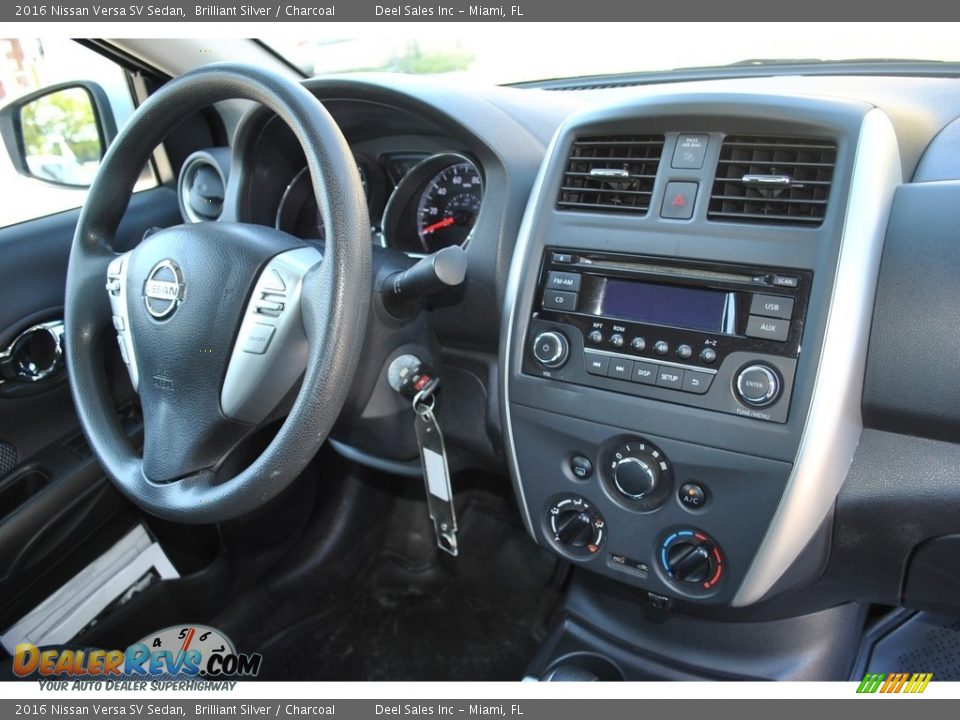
point(164, 289)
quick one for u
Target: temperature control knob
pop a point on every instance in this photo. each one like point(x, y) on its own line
point(691, 559)
point(577, 528)
point(551, 349)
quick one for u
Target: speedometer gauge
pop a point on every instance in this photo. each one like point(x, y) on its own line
point(449, 206)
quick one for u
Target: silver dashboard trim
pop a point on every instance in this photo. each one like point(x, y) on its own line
point(833, 425)
point(511, 296)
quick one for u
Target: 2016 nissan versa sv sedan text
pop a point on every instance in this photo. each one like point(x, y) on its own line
point(384, 375)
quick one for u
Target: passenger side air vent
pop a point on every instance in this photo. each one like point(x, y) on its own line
point(611, 174)
point(776, 180)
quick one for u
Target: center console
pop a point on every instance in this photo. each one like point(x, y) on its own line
point(685, 332)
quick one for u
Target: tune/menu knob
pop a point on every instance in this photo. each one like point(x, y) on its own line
point(576, 526)
point(758, 385)
point(691, 559)
point(551, 349)
point(640, 472)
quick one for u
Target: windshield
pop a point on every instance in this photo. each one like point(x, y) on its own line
point(519, 52)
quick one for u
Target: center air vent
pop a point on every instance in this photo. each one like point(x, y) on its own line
point(776, 180)
point(611, 174)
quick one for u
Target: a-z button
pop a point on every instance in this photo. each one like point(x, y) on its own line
point(774, 306)
point(559, 300)
point(645, 373)
point(596, 364)
point(259, 339)
point(678, 200)
point(768, 328)
point(696, 382)
point(569, 282)
point(670, 378)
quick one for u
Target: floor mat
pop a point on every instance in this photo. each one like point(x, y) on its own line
point(420, 614)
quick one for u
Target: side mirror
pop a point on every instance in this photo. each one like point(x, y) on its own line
point(59, 134)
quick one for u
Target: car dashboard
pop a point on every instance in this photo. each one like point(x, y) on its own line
point(706, 327)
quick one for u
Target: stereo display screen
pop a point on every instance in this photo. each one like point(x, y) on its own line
point(682, 307)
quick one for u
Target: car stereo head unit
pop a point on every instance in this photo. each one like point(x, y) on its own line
point(724, 338)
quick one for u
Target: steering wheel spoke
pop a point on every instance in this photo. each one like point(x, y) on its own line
point(271, 350)
point(117, 292)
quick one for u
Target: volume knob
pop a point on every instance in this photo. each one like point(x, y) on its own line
point(551, 349)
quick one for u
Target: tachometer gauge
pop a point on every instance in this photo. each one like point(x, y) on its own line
point(449, 206)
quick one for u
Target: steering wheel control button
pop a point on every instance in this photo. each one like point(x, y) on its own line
point(692, 560)
point(616, 340)
point(768, 328)
point(595, 337)
point(689, 152)
point(645, 373)
point(596, 364)
point(661, 347)
point(692, 495)
point(696, 382)
point(581, 467)
point(568, 282)
point(270, 308)
point(669, 377)
point(559, 300)
point(678, 200)
point(118, 323)
point(620, 369)
point(684, 352)
point(258, 340)
point(551, 349)
point(638, 344)
point(773, 306)
point(640, 472)
point(708, 355)
point(758, 385)
point(575, 527)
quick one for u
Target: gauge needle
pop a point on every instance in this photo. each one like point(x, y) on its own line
point(446, 222)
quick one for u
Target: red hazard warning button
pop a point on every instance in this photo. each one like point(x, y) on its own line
point(678, 200)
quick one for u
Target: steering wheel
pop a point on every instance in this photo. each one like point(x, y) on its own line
point(217, 321)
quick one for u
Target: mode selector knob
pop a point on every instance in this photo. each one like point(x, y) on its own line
point(691, 559)
point(551, 349)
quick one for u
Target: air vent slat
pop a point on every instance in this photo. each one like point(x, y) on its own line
point(611, 174)
point(774, 180)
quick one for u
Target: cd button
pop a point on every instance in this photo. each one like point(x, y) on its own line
point(620, 369)
point(773, 306)
point(644, 372)
point(559, 300)
point(670, 378)
point(596, 364)
point(768, 328)
point(696, 382)
point(569, 282)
